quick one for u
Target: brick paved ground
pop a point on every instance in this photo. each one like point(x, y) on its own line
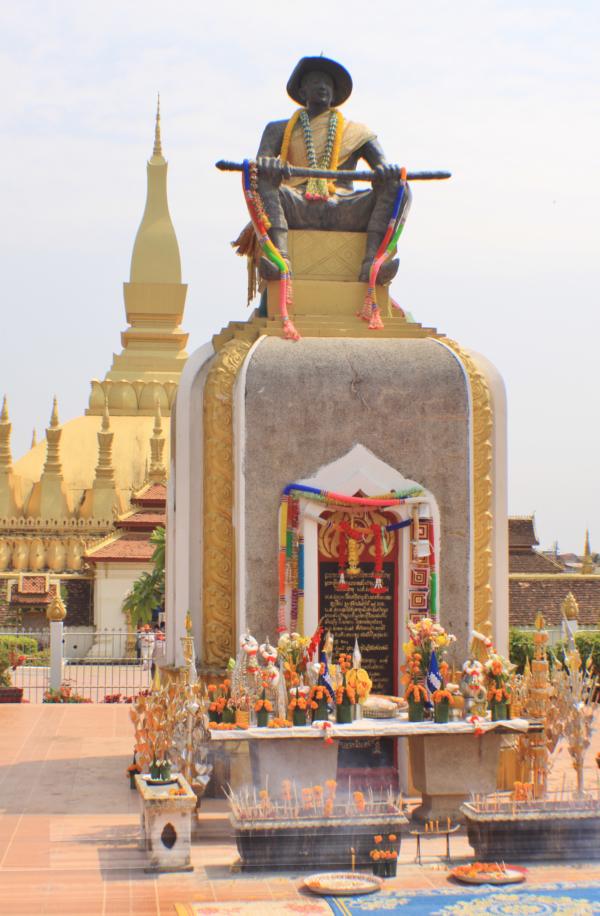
point(69, 827)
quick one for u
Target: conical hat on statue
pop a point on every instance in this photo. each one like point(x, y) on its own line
point(342, 81)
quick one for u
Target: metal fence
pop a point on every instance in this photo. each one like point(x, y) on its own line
point(100, 666)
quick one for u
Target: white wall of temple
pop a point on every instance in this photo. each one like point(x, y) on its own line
point(112, 584)
point(184, 507)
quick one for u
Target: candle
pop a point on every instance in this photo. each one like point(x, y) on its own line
point(426, 828)
point(447, 823)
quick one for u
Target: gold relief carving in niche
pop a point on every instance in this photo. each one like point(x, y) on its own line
point(482, 487)
point(218, 569)
point(329, 535)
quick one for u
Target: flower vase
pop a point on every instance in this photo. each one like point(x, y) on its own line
point(416, 710)
point(214, 715)
point(132, 775)
point(299, 716)
point(240, 717)
point(262, 718)
point(441, 712)
point(228, 715)
point(155, 770)
point(499, 710)
point(390, 868)
point(343, 714)
point(321, 713)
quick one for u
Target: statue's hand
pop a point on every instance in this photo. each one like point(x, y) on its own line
point(272, 170)
point(386, 173)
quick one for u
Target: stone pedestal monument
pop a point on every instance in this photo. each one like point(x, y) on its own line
point(349, 409)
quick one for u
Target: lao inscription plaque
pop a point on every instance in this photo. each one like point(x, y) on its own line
point(358, 613)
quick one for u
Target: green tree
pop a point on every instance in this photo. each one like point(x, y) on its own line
point(148, 592)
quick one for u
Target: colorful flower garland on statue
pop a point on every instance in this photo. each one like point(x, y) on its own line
point(316, 188)
point(261, 225)
point(370, 310)
point(291, 545)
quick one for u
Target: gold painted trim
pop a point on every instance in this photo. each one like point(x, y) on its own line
point(218, 557)
point(481, 401)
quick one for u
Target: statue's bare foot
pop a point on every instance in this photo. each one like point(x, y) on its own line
point(268, 270)
point(386, 274)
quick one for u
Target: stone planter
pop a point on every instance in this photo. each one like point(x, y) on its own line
point(552, 835)
point(441, 711)
point(311, 843)
point(11, 694)
point(165, 821)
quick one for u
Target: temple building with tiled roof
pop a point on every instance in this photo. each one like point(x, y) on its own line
point(67, 503)
point(538, 582)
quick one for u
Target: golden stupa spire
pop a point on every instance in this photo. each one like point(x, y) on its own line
point(11, 503)
point(157, 151)
point(5, 430)
point(157, 473)
point(49, 499)
point(53, 433)
point(587, 565)
point(154, 344)
point(103, 501)
point(105, 472)
point(33, 438)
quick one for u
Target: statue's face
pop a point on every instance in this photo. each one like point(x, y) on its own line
point(317, 89)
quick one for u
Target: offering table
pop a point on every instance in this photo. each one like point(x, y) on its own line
point(448, 761)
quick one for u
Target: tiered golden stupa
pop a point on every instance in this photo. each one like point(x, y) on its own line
point(65, 496)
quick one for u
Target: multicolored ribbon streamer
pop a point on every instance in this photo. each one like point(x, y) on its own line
point(270, 251)
point(370, 311)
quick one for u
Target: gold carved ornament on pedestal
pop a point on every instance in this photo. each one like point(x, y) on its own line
point(218, 579)
point(482, 486)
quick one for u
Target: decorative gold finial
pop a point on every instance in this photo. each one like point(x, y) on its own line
point(33, 438)
point(54, 421)
point(56, 610)
point(157, 473)
point(5, 430)
point(157, 151)
point(105, 426)
point(539, 621)
point(570, 608)
point(188, 624)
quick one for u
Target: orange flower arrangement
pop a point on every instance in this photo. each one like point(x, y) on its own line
point(379, 854)
point(331, 786)
point(280, 723)
point(299, 703)
point(442, 696)
point(263, 704)
point(417, 691)
point(328, 807)
point(378, 838)
point(359, 801)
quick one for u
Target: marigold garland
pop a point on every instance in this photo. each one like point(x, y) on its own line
point(316, 188)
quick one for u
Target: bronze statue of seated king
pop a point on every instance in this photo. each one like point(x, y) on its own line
point(317, 136)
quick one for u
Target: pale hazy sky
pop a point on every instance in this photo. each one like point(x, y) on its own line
point(503, 258)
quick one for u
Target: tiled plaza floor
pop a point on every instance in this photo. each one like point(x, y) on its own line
point(69, 827)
